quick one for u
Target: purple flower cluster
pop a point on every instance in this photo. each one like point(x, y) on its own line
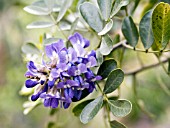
point(67, 74)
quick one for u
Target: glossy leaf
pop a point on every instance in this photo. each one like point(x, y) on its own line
point(145, 30)
point(107, 28)
point(120, 108)
point(30, 48)
point(36, 10)
point(92, 16)
point(106, 45)
point(106, 67)
point(161, 25)
point(113, 81)
point(78, 108)
point(116, 124)
point(130, 31)
point(117, 6)
point(40, 24)
point(91, 110)
point(105, 8)
point(66, 4)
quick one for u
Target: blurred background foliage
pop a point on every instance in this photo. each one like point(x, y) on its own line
point(13, 34)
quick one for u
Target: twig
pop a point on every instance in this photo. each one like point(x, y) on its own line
point(145, 68)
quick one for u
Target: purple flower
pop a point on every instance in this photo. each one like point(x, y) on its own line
point(66, 76)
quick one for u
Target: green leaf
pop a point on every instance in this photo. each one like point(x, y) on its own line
point(91, 110)
point(66, 4)
point(35, 10)
point(105, 8)
point(113, 81)
point(43, 4)
point(116, 124)
point(106, 67)
point(161, 25)
point(107, 28)
point(40, 24)
point(73, 26)
point(120, 108)
point(145, 30)
point(30, 48)
point(106, 45)
point(117, 6)
point(92, 16)
point(53, 111)
point(50, 40)
point(78, 108)
point(50, 4)
point(130, 31)
point(51, 125)
point(99, 57)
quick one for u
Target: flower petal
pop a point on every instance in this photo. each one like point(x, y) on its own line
point(58, 46)
point(54, 102)
point(31, 83)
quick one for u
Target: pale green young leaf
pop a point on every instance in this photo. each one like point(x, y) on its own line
point(106, 45)
point(105, 8)
point(120, 108)
point(92, 16)
point(64, 7)
point(40, 24)
point(91, 110)
point(107, 28)
point(117, 6)
point(116, 124)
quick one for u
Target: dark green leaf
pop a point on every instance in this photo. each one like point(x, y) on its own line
point(106, 67)
point(117, 6)
point(106, 45)
point(53, 111)
point(161, 25)
point(36, 10)
point(78, 108)
point(91, 110)
point(120, 108)
point(51, 125)
point(92, 16)
point(130, 31)
point(145, 30)
point(114, 80)
point(66, 4)
point(116, 124)
point(40, 24)
point(107, 28)
point(105, 7)
point(30, 48)
point(113, 98)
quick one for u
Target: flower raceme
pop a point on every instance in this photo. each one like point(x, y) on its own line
point(66, 76)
